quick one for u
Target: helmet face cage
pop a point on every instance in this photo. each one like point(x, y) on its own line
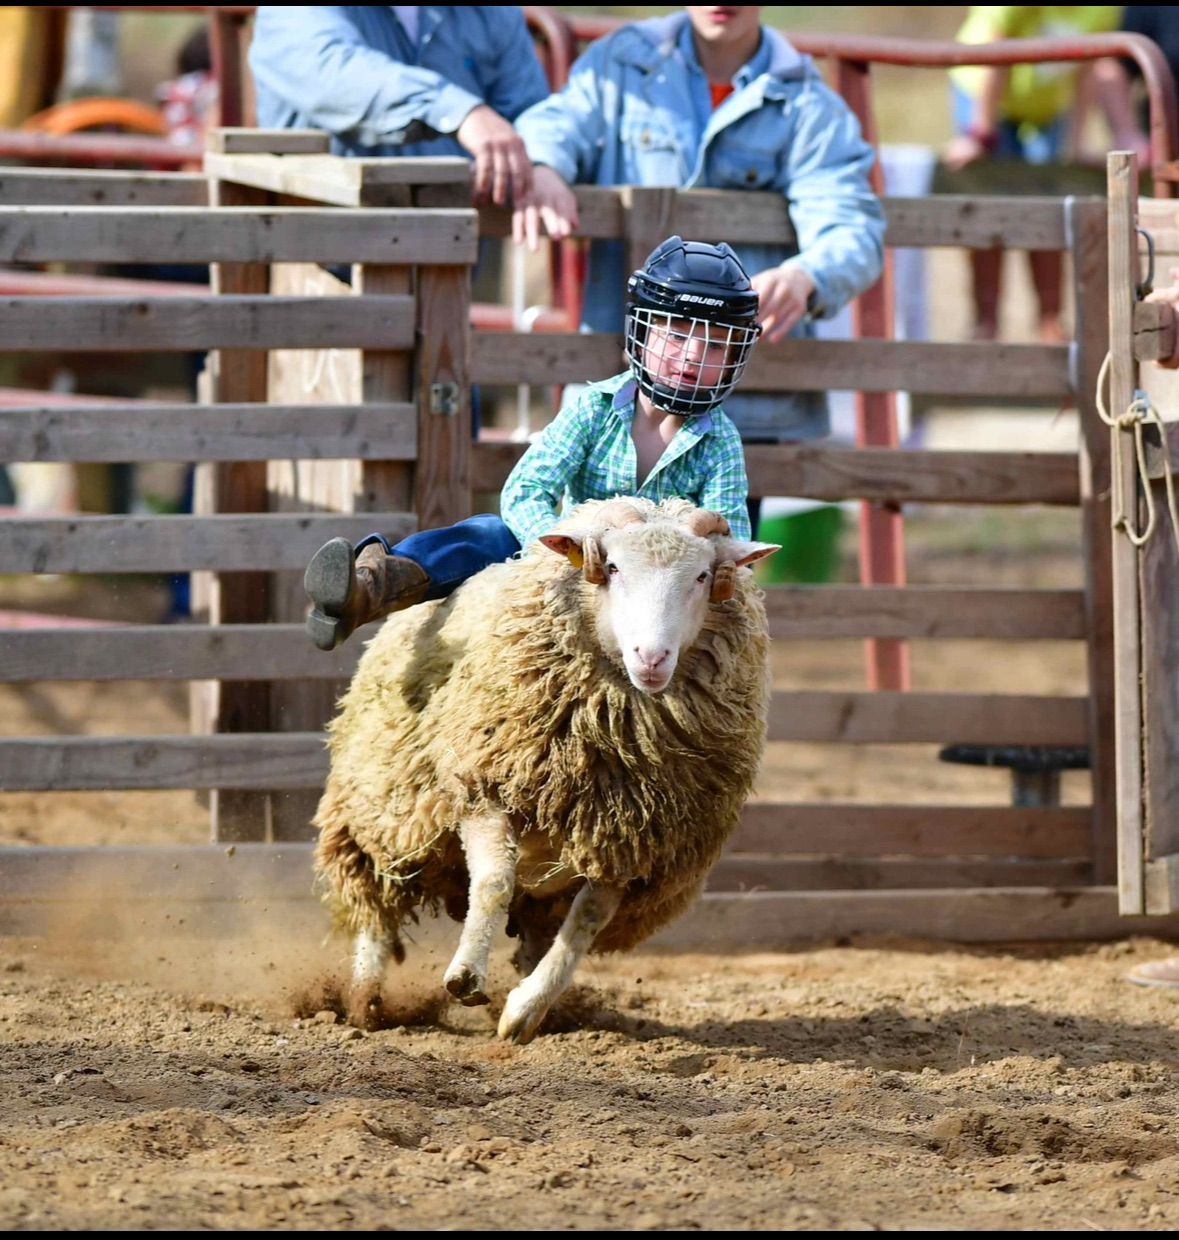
point(686, 365)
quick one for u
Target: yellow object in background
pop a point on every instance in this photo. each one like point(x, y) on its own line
point(30, 61)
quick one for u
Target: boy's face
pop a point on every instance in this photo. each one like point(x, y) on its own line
point(725, 25)
point(687, 354)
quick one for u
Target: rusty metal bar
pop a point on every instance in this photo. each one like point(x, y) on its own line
point(96, 149)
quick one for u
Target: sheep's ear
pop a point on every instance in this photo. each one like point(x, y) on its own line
point(724, 575)
point(562, 544)
point(742, 553)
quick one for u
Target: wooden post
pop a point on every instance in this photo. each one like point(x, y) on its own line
point(1123, 277)
point(442, 479)
point(1086, 224)
point(882, 530)
point(649, 216)
point(238, 598)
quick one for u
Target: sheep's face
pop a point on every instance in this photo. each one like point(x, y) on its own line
point(654, 599)
point(654, 584)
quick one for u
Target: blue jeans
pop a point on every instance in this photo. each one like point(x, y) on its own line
point(455, 552)
point(1031, 143)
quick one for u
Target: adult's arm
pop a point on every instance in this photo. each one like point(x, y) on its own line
point(314, 59)
point(563, 135)
point(837, 218)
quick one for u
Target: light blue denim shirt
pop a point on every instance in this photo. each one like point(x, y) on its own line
point(587, 452)
point(354, 71)
point(636, 111)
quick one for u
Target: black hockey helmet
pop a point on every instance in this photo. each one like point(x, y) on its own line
point(697, 295)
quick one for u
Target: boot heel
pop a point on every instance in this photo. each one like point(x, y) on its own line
point(323, 630)
point(330, 577)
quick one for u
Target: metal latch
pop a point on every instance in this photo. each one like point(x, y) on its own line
point(444, 399)
point(1143, 287)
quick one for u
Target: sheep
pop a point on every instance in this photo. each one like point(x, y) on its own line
point(560, 749)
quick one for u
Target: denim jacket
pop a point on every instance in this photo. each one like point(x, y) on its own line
point(354, 71)
point(631, 114)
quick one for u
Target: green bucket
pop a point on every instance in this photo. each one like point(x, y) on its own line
point(810, 546)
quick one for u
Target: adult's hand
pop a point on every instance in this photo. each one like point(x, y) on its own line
point(551, 203)
point(503, 171)
point(783, 293)
point(963, 150)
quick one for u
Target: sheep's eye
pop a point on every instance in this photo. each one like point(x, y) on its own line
point(703, 576)
point(611, 568)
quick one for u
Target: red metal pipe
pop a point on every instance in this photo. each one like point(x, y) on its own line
point(102, 149)
point(50, 284)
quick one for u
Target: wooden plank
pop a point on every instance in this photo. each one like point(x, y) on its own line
point(750, 874)
point(230, 432)
point(768, 921)
point(1088, 230)
point(236, 234)
point(1154, 330)
point(248, 761)
point(1161, 884)
point(174, 652)
point(958, 718)
point(153, 325)
point(330, 179)
point(211, 886)
point(1155, 449)
point(885, 474)
point(648, 213)
point(930, 831)
point(972, 222)
point(1123, 181)
point(254, 542)
point(442, 480)
point(29, 187)
point(1158, 585)
point(235, 140)
point(1028, 371)
point(824, 612)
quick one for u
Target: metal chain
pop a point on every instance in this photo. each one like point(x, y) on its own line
point(1140, 411)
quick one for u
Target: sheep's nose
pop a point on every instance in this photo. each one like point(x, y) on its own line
point(652, 660)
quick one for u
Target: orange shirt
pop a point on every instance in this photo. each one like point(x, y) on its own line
point(720, 92)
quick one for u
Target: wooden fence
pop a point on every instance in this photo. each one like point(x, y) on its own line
point(369, 431)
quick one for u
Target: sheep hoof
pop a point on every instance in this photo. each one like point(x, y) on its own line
point(365, 1009)
point(466, 986)
point(520, 1019)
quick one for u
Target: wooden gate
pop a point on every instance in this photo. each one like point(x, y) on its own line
point(1141, 400)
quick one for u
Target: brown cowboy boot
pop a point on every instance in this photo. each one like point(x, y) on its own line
point(348, 592)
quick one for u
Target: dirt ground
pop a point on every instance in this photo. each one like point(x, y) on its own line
point(208, 1083)
point(871, 1086)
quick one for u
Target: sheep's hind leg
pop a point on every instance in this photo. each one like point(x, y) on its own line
point(491, 853)
point(370, 954)
point(530, 1001)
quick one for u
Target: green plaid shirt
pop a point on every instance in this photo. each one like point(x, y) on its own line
point(587, 452)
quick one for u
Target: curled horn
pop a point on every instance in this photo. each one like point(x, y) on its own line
point(593, 568)
point(724, 582)
point(618, 514)
point(704, 522)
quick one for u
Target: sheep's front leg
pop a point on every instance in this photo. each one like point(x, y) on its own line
point(491, 852)
point(370, 955)
point(527, 1004)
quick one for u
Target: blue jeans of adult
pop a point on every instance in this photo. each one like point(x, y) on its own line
point(453, 553)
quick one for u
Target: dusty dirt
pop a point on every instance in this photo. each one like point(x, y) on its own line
point(170, 1083)
point(885, 1086)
